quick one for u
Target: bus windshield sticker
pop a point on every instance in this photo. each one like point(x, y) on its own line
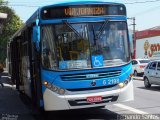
point(97, 61)
point(63, 65)
point(70, 64)
point(77, 64)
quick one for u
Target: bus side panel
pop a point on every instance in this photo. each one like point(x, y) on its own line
point(25, 68)
point(15, 59)
point(36, 85)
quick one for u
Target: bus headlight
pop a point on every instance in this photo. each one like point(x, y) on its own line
point(124, 83)
point(47, 84)
point(61, 91)
point(121, 85)
point(54, 88)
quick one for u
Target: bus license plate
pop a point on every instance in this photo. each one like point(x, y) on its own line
point(94, 99)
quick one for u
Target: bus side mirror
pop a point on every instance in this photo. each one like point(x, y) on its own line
point(36, 35)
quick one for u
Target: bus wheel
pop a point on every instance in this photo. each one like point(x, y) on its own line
point(147, 83)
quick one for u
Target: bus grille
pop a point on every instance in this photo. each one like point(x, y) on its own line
point(90, 76)
point(92, 88)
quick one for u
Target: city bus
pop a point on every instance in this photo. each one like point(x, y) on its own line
point(73, 55)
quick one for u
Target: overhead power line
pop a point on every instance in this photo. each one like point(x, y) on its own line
point(26, 4)
point(143, 1)
point(23, 5)
point(133, 1)
point(147, 11)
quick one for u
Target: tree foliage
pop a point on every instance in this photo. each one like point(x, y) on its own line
point(1, 2)
point(10, 26)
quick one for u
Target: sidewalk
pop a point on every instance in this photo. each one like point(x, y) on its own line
point(11, 106)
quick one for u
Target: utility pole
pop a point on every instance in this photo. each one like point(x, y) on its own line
point(133, 36)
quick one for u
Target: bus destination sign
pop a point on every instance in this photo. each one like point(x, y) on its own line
point(80, 11)
point(84, 11)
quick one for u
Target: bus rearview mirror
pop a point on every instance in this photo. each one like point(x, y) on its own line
point(36, 36)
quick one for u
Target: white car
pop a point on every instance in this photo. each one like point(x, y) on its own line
point(138, 66)
point(152, 74)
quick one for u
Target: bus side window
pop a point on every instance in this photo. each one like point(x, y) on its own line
point(46, 60)
point(73, 55)
point(65, 53)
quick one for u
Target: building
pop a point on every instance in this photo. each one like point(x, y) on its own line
point(148, 43)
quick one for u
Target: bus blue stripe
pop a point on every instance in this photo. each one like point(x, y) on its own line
point(54, 77)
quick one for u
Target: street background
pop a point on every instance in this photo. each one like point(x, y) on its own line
point(15, 106)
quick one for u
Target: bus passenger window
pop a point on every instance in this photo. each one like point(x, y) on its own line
point(65, 53)
point(48, 53)
point(59, 53)
point(73, 55)
point(46, 58)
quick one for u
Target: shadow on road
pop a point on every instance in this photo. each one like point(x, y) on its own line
point(153, 88)
point(82, 114)
point(14, 105)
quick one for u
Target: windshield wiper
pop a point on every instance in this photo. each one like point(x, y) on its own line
point(72, 28)
point(96, 36)
point(101, 29)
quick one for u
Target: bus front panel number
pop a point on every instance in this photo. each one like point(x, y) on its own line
point(113, 81)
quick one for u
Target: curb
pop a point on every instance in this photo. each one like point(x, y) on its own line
point(137, 78)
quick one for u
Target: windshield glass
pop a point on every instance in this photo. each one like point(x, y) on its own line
point(84, 45)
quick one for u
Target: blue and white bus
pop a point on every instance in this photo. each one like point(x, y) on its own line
point(73, 55)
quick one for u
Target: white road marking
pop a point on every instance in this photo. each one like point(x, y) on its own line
point(130, 109)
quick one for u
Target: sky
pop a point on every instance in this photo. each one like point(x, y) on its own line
point(146, 12)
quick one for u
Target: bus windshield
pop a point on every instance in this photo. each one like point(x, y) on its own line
point(84, 45)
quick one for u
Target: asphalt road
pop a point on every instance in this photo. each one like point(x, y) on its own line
point(147, 101)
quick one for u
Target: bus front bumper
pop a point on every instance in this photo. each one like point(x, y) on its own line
point(54, 102)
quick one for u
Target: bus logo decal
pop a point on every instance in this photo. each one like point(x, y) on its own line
point(93, 83)
point(92, 75)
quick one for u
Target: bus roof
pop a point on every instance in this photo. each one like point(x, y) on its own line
point(82, 2)
point(36, 14)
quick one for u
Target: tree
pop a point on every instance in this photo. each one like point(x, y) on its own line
point(10, 26)
point(1, 2)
